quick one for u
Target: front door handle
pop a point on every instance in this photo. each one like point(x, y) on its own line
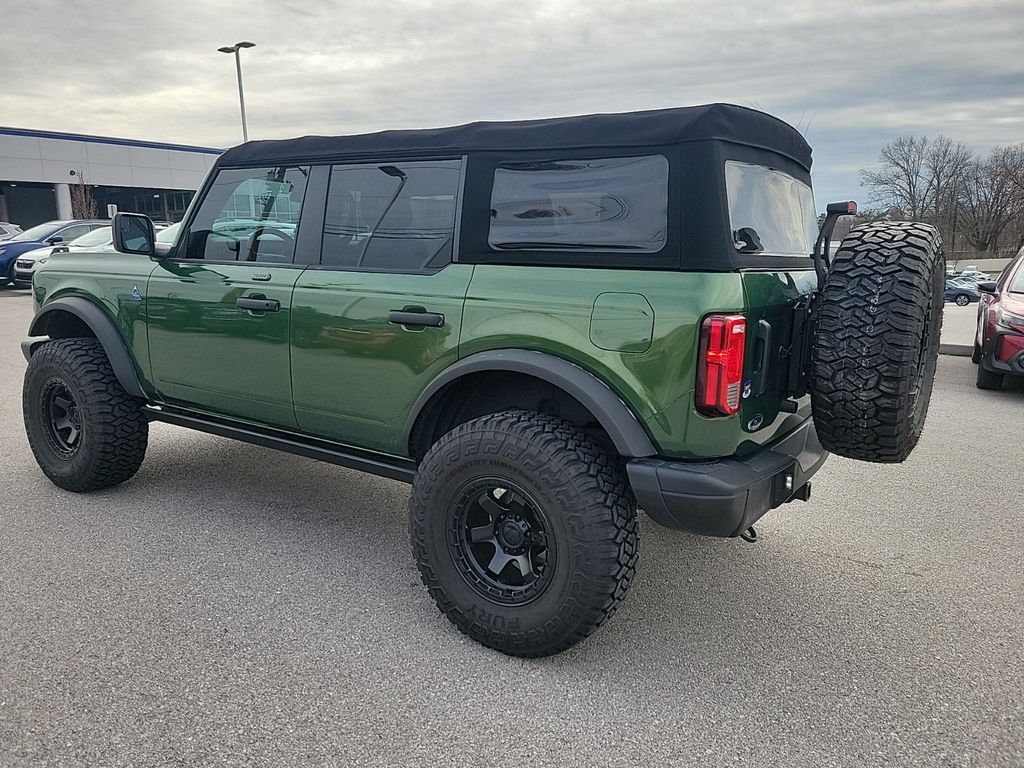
point(259, 305)
point(405, 317)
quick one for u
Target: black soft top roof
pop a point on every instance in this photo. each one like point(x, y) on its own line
point(660, 127)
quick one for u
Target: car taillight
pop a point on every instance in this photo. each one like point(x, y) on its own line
point(720, 365)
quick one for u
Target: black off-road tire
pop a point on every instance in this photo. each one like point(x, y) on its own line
point(876, 341)
point(113, 433)
point(988, 379)
point(589, 508)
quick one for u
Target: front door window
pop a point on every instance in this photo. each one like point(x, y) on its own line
point(249, 215)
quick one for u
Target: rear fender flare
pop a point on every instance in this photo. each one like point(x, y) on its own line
point(623, 427)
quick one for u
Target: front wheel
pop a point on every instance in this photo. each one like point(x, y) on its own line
point(988, 379)
point(963, 300)
point(86, 432)
point(524, 532)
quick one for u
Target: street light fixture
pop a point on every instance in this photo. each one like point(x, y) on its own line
point(238, 68)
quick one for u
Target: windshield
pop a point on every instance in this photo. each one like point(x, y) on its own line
point(769, 211)
point(36, 233)
point(1017, 284)
point(101, 236)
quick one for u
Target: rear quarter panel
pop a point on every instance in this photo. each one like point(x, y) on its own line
point(552, 310)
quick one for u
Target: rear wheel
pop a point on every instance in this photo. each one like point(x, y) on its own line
point(962, 300)
point(988, 379)
point(85, 431)
point(524, 532)
point(877, 340)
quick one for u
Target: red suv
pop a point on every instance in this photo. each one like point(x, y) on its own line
point(999, 345)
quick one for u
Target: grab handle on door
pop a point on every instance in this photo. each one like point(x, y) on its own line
point(259, 305)
point(405, 317)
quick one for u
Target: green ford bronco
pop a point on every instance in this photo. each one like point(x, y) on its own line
point(542, 326)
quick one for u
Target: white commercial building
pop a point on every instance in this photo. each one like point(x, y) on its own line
point(39, 168)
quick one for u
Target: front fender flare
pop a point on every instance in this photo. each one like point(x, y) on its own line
point(103, 328)
point(623, 427)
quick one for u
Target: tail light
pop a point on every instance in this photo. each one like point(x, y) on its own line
point(720, 366)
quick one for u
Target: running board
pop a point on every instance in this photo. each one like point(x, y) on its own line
point(401, 470)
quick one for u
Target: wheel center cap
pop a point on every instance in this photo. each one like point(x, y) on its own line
point(511, 534)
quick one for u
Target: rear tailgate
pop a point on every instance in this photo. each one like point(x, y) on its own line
point(770, 299)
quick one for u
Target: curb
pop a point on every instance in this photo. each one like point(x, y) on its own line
point(957, 350)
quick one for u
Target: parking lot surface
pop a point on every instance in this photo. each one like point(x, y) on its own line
point(235, 606)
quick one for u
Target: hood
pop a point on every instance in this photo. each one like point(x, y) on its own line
point(9, 250)
point(37, 253)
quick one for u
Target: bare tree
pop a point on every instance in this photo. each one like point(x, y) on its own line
point(921, 179)
point(83, 202)
point(993, 197)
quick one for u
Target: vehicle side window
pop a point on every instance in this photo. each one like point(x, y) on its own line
point(70, 233)
point(617, 204)
point(396, 217)
point(249, 214)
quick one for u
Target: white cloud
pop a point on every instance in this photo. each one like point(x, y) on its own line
point(850, 76)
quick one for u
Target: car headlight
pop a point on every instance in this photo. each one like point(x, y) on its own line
point(1009, 320)
point(43, 260)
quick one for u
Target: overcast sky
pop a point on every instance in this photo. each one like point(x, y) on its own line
point(850, 76)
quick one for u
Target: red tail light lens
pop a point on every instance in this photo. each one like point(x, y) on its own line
point(720, 366)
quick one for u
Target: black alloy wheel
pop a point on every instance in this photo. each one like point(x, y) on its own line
point(62, 419)
point(499, 540)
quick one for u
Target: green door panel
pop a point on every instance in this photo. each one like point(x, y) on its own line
point(356, 375)
point(622, 322)
point(208, 353)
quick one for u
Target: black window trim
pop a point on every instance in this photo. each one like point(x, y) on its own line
point(430, 270)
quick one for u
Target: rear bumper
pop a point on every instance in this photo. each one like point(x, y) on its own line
point(726, 496)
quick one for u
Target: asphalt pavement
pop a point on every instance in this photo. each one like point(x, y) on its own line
point(233, 606)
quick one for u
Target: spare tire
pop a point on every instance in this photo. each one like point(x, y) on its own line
point(876, 340)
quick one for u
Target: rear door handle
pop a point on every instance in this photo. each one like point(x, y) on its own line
point(404, 317)
point(259, 305)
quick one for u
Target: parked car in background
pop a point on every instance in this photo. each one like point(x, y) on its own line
point(973, 273)
point(961, 293)
point(8, 230)
point(999, 345)
point(26, 264)
point(50, 233)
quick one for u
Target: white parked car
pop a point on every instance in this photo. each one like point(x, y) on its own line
point(27, 262)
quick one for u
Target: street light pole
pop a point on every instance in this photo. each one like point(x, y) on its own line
point(235, 49)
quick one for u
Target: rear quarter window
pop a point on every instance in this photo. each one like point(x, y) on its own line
point(777, 207)
point(617, 204)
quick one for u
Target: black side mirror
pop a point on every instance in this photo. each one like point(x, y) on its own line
point(986, 286)
point(134, 233)
point(55, 239)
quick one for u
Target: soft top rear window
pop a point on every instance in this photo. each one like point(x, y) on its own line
point(617, 204)
point(770, 211)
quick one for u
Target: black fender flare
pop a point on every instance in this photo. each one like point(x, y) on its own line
point(103, 328)
point(623, 427)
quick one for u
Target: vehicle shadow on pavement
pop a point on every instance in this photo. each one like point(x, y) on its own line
point(692, 595)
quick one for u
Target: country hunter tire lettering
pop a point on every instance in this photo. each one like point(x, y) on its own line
point(86, 432)
point(876, 341)
point(524, 531)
